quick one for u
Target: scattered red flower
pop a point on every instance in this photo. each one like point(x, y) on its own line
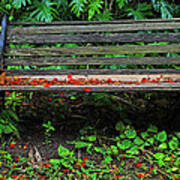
point(13, 166)
point(69, 76)
point(87, 89)
point(65, 170)
point(176, 178)
point(140, 175)
point(47, 85)
point(50, 99)
point(84, 175)
point(15, 176)
point(17, 159)
point(2, 178)
point(85, 159)
point(7, 93)
point(117, 176)
point(83, 164)
point(12, 145)
point(25, 146)
point(47, 165)
point(43, 177)
point(109, 80)
point(139, 164)
point(122, 157)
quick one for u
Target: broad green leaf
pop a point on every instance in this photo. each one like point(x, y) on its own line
point(81, 144)
point(152, 129)
point(91, 138)
point(62, 151)
point(125, 144)
point(107, 160)
point(162, 136)
point(100, 150)
point(173, 144)
point(138, 141)
point(144, 135)
point(159, 155)
point(55, 161)
point(163, 146)
point(130, 133)
point(120, 126)
point(114, 149)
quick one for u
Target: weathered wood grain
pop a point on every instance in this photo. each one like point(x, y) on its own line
point(94, 38)
point(91, 60)
point(94, 28)
point(104, 77)
point(90, 71)
point(108, 88)
point(92, 50)
point(96, 22)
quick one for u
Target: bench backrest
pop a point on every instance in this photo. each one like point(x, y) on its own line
point(95, 47)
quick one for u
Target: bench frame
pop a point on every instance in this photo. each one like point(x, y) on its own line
point(123, 72)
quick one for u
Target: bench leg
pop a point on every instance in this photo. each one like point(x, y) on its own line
point(2, 99)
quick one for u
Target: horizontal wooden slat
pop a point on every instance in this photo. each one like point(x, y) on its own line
point(107, 88)
point(91, 60)
point(94, 38)
point(94, 28)
point(92, 50)
point(95, 22)
point(114, 77)
point(91, 71)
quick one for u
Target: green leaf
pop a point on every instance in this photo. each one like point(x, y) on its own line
point(55, 161)
point(162, 136)
point(130, 133)
point(150, 140)
point(62, 151)
point(144, 135)
point(152, 129)
point(120, 126)
point(107, 160)
point(81, 144)
point(7, 130)
point(114, 149)
point(173, 144)
point(125, 144)
point(159, 155)
point(91, 138)
point(94, 7)
point(177, 134)
point(133, 150)
point(78, 6)
point(100, 150)
point(138, 141)
point(163, 146)
point(73, 98)
point(121, 3)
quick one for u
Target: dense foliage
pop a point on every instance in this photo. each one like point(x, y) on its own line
point(49, 10)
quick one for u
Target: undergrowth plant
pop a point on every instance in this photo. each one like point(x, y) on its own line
point(48, 10)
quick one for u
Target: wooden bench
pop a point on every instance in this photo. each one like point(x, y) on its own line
point(95, 56)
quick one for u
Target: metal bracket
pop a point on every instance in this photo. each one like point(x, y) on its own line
point(2, 41)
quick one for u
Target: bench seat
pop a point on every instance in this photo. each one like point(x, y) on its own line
point(124, 55)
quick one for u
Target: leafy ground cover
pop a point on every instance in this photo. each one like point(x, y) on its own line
point(90, 136)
